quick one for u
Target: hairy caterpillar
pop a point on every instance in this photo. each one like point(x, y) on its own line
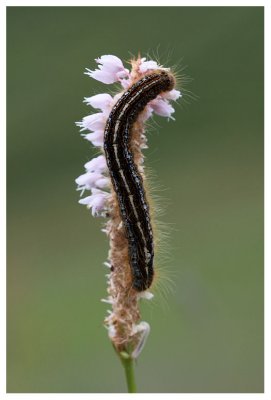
point(126, 177)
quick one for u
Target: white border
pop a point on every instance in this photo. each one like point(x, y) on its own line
point(192, 396)
point(3, 197)
point(141, 3)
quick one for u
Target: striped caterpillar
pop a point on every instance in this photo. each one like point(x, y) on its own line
point(116, 182)
point(125, 176)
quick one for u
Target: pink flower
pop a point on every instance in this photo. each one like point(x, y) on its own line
point(162, 107)
point(147, 113)
point(97, 164)
point(147, 65)
point(142, 330)
point(110, 63)
point(101, 101)
point(97, 201)
point(91, 180)
point(110, 70)
point(93, 122)
point(172, 95)
point(126, 83)
point(96, 138)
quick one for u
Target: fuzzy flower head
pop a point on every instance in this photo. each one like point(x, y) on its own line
point(123, 321)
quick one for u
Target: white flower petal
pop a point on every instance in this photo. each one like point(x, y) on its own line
point(147, 65)
point(93, 122)
point(126, 83)
point(172, 95)
point(102, 76)
point(109, 71)
point(97, 201)
point(145, 295)
point(86, 200)
point(142, 330)
point(147, 113)
point(91, 180)
point(110, 63)
point(162, 107)
point(96, 138)
point(102, 101)
point(97, 164)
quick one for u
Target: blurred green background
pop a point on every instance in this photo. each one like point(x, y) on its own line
point(207, 335)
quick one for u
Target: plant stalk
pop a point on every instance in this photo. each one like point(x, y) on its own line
point(128, 364)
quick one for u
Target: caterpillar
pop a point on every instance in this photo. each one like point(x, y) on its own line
point(125, 177)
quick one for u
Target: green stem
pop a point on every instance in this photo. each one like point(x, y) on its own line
point(128, 364)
